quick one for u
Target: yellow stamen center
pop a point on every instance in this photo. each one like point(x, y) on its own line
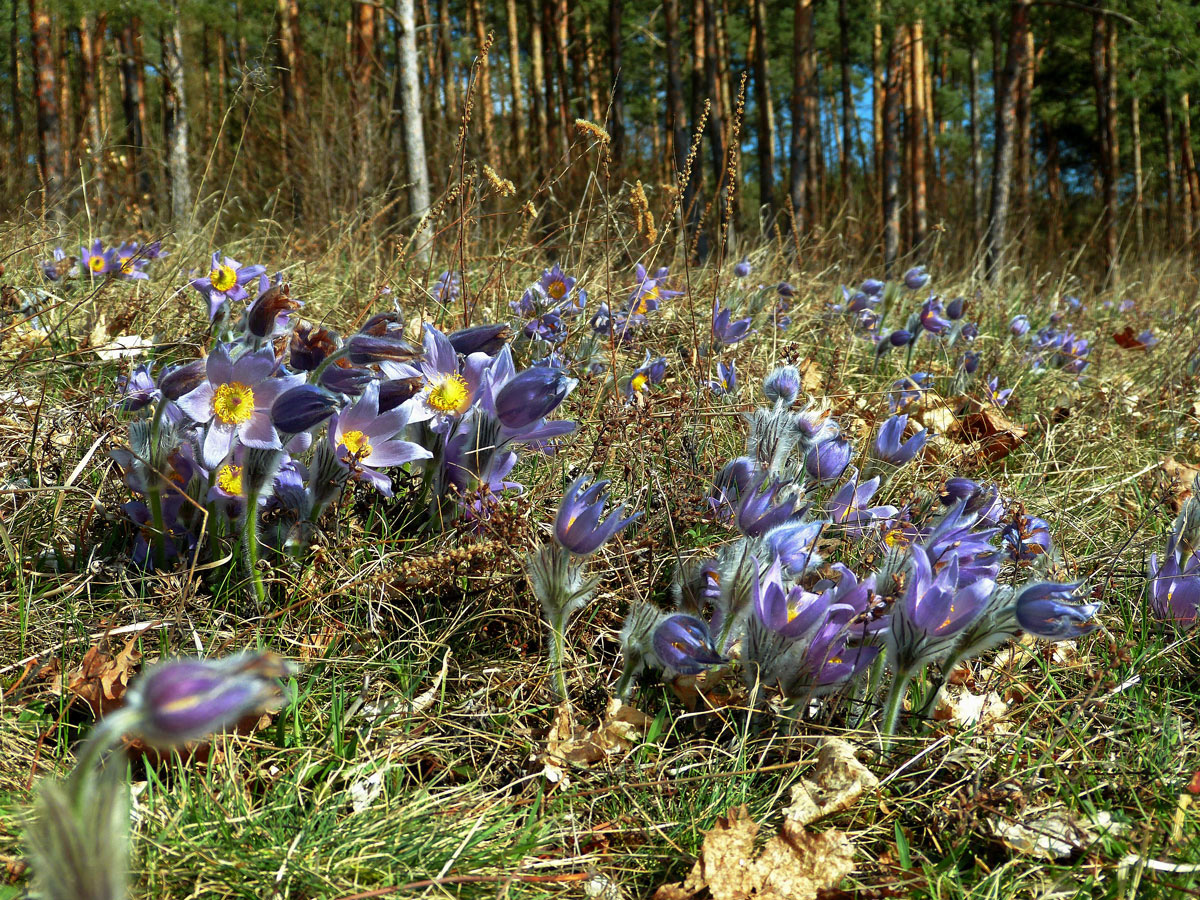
point(96, 262)
point(793, 611)
point(229, 479)
point(834, 661)
point(639, 382)
point(451, 394)
point(557, 289)
point(126, 265)
point(222, 277)
point(643, 305)
point(357, 443)
point(950, 616)
point(233, 403)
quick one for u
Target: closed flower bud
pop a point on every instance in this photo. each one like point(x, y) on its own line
point(393, 393)
point(1019, 326)
point(783, 385)
point(309, 347)
point(916, 278)
point(956, 308)
point(872, 287)
point(300, 408)
point(480, 339)
point(532, 395)
point(181, 380)
point(829, 459)
point(270, 310)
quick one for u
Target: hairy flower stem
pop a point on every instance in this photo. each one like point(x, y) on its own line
point(154, 493)
point(891, 709)
point(625, 682)
point(105, 735)
point(250, 534)
point(556, 646)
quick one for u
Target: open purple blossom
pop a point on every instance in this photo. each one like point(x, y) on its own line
point(992, 393)
point(648, 292)
point(849, 505)
point(933, 610)
point(908, 390)
point(790, 612)
point(1054, 612)
point(1026, 538)
point(684, 644)
point(365, 440)
point(1019, 326)
point(794, 544)
point(447, 288)
point(58, 267)
point(725, 331)
point(234, 402)
point(226, 281)
point(580, 526)
point(137, 390)
point(1174, 587)
point(726, 381)
point(888, 446)
point(95, 260)
point(446, 392)
point(762, 506)
point(932, 319)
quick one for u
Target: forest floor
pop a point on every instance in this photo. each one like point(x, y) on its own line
point(423, 751)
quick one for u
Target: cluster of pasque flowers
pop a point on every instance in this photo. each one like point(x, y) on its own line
point(941, 590)
point(78, 834)
point(260, 436)
point(1174, 584)
point(127, 261)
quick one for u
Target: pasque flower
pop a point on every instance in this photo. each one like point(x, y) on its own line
point(364, 440)
point(849, 505)
point(95, 260)
point(684, 644)
point(1041, 610)
point(783, 385)
point(225, 281)
point(580, 527)
point(726, 331)
point(1019, 325)
point(916, 278)
point(888, 447)
point(234, 401)
point(762, 506)
point(301, 408)
point(794, 544)
point(1175, 586)
point(829, 459)
point(531, 395)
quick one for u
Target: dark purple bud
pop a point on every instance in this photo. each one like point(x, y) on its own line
point(186, 699)
point(309, 347)
point(270, 309)
point(955, 308)
point(180, 380)
point(1041, 612)
point(786, 290)
point(829, 459)
point(683, 643)
point(393, 393)
point(346, 379)
point(367, 348)
point(783, 385)
point(742, 269)
point(300, 408)
point(900, 338)
point(480, 339)
point(532, 395)
point(916, 278)
point(956, 489)
point(969, 331)
point(1019, 326)
point(872, 287)
point(971, 361)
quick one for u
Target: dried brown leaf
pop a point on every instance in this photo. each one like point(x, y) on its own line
point(836, 784)
point(995, 434)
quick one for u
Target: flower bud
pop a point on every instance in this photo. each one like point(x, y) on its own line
point(532, 395)
point(916, 278)
point(300, 408)
point(956, 308)
point(480, 339)
point(783, 385)
point(310, 346)
point(270, 311)
point(829, 459)
point(180, 380)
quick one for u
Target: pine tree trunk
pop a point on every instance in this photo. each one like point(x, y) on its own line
point(414, 131)
point(1006, 125)
point(1139, 199)
point(540, 112)
point(766, 121)
point(843, 13)
point(561, 53)
point(676, 116)
point(289, 98)
point(175, 123)
point(1108, 174)
point(45, 95)
point(877, 98)
point(593, 69)
point(920, 124)
point(716, 128)
point(1024, 141)
point(446, 55)
point(1114, 155)
point(139, 181)
point(798, 146)
point(616, 126)
point(891, 153)
point(90, 44)
point(1192, 180)
point(1168, 121)
point(362, 68)
point(977, 223)
point(484, 102)
point(16, 131)
point(514, 76)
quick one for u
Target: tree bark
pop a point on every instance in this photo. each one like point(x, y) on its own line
point(414, 131)
point(45, 95)
point(977, 223)
point(593, 68)
point(877, 98)
point(16, 130)
point(1003, 158)
point(540, 111)
point(1139, 198)
point(175, 122)
point(514, 75)
point(1106, 128)
point(91, 42)
point(920, 124)
point(891, 153)
point(487, 117)
point(843, 13)
point(616, 127)
point(766, 119)
point(1192, 179)
point(716, 129)
point(132, 105)
point(1024, 141)
point(676, 117)
point(1168, 121)
point(799, 144)
point(446, 55)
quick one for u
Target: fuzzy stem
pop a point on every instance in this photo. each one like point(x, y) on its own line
point(105, 735)
point(250, 533)
point(557, 644)
point(626, 681)
point(154, 493)
point(895, 700)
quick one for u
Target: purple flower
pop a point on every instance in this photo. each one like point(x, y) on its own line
point(731, 484)
point(1041, 611)
point(446, 391)
point(760, 508)
point(829, 459)
point(726, 380)
point(794, 544)
point(783, 385)
point(97, 261)
point(648, 293)
point(1026, 538)
point(580, 527)
point(970, 361)
point(683, 643)
point(932, 319)
point(185, 699)
point(138, 390)
point(785, 290)
point(726, 331)
point(993, 395)
point(872, 287)
point(849, 505)
point(129, 261)
point(956, 309)
point(888, 447)
point(235, 400)
point(271, 312)
point(1147, 339)
point(532, 395)
point(907, 391)
point(556, 284)
point(743, 269)
point(933, 610)
point(916, 278)
point(364, 440)
point(58, 267)
point(1019, 326)
point(1175, 590)
point(480, 339)
point(301, 408)
point(226, 281)
point(790, 613)
point(447, 288)
point(310, 346)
